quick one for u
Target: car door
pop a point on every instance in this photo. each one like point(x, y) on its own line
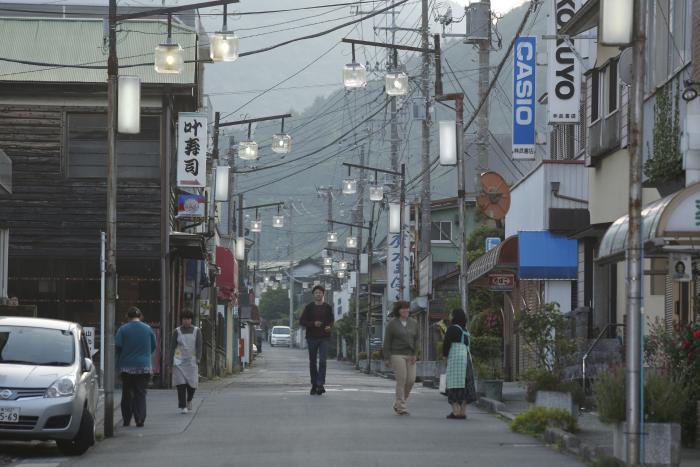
point(88, 378)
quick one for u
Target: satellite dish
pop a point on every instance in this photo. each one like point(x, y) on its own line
point(624, 66)
point(494, 199)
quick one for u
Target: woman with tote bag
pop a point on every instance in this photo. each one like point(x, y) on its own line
point(459, 376)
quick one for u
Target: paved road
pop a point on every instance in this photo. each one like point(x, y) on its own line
point(265, 417)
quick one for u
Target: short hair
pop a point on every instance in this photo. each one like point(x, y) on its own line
point(318, 287)
point(133, 312)
point(398, 306)
point(187, 314)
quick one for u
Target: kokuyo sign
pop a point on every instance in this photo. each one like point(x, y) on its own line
point(564, 70)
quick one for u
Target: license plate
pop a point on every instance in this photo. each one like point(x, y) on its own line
point(9, 414)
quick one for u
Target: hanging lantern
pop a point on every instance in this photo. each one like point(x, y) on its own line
point(224, 47)
point(278, 222)
point(266, 279)
point(221, 192)
point(168, 58)
point(448, 142)
point(332, 237)
point(327, 271)
point(240, 248)
point(327, 261)
point(129, 105)
point(616, 22)
point(343, 265)
point(256, 225)
point(281, 143)
point(248, 150)
point(394, 218)
point(284, 286)
point(349, 186)
point(396, 83)
point(354, 75)
point(376, 192)
point(351, 242)
point(340, 274)
point(275, 286)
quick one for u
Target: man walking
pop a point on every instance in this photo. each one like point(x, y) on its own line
point(318, 320)
point(135, 343)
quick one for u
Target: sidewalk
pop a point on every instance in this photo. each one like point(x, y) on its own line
point(593, 441)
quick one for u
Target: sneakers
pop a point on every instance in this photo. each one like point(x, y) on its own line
point(189, 406)
point(183, 410)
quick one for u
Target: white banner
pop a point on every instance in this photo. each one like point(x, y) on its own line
point(564, 69)
point(192, 149)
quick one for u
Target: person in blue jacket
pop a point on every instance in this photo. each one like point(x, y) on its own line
point(135, 344)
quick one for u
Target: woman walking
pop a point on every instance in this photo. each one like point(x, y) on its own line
point(460, 374)
point(186, 353)
point(400, 345)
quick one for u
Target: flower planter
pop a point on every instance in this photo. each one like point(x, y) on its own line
point(490, 388)
point(662, 444)
point(557, 400)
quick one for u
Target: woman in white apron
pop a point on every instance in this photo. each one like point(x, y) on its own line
point(187, 350)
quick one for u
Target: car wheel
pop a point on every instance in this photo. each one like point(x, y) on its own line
point(83, 440)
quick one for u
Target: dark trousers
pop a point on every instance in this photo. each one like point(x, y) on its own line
point(134, 396)
point(185, 392)
point(318, 350)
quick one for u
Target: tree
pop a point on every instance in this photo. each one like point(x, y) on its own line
point(274, 308)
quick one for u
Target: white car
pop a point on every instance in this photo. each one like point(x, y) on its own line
point(280, 335)
point(48, 383)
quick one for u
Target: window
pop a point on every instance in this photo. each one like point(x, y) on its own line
point(441, 231)
point(612, 85)
point(595, 95)
point(138, 156)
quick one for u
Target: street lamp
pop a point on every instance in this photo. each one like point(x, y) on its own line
point(248, 150)
point(129, 106)
point(354, 74)
point(327, 271)
point(349, 186)
point(332, 237)
point(327, 260)
point(342, 265)
point(448, 142)
point(169, 55)
point(278, 277)
point(256, 225)
point(396, 83)
point(278, 222)
point(376, 193)
point(281, 142)
point(351, 242)
point(224, 44)
point(340, 274)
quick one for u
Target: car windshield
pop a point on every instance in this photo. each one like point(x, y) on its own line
point(36, 346)
point(280, 331)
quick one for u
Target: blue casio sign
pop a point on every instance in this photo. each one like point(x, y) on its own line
point(524, 98)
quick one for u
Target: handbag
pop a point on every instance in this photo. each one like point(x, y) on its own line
point(443, 384)
point(469, 385)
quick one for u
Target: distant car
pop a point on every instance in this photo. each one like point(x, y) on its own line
point(280, 335)
point(49, 386)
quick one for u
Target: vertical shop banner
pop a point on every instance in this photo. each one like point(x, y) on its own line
point(524, 98)
point(191, 149)
point(564, 69)
point(393, 265)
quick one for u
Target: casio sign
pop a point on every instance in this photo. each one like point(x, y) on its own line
point(524, 89)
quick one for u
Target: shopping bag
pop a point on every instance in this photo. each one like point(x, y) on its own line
point(443, 384)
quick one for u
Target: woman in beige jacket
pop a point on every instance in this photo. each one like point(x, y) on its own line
point(400, 347)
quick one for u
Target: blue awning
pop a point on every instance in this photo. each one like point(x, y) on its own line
point(544, 255)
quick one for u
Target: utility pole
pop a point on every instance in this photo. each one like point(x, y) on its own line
point(634, 252)
point(291, 268)
point(359, 219)
point(211, 370)
point(482, 119)
point(426, 215)
point(111, 282)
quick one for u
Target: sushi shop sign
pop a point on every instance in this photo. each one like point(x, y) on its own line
point(501, 282)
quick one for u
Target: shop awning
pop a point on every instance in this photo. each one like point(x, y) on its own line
point(670, 224)
point(187, 245)
point(544, 255)
point(503, 258)
point(226, 280)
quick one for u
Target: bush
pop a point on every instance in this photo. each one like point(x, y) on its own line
point(486, 323)
point(536, 420)
point(362, 356)
point(487, 356)
point(377, 356)
point(664, 400)
point(544, 330)
point(543, 380)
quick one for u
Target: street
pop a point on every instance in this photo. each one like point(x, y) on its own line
point(266, 417)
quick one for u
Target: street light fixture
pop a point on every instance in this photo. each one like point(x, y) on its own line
point(278, 277)
point(396, 83)
point(340, 274)
point(342, 265)
point(351, 242)
point(327, 271)
point(248, 150)
point(278, 222)
point(281, 142)
point(224, 44)
point(376, 193)
point(169, 55)
point(354, 74)
point(256, 225)
point(349, 186)
point(332, 237)
point(327, 260)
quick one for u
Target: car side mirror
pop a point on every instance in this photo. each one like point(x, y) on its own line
point(87, 365)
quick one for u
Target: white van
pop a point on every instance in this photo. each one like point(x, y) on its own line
point(281, 335)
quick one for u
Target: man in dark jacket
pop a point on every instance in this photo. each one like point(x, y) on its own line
point(318, 320)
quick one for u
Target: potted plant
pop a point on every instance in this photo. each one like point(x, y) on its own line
point(548, 389)
point(664, 402)
point(488, 369)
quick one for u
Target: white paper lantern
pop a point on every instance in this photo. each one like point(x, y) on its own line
point(616, 22)
point(240, 248)
point(394, 218)
point(222, 178)
point(448, 142)
point(129, 105)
